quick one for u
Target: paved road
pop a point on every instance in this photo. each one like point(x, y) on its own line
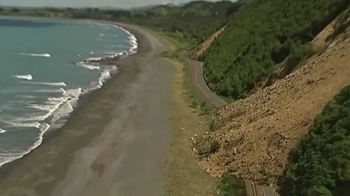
point(198, 82)
point(258, 190)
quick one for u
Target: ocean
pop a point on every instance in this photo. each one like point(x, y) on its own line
point(45, 69)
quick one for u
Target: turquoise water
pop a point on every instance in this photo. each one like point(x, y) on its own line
point(42, 74)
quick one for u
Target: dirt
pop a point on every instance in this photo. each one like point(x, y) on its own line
point(199, 49)
point(260, 131)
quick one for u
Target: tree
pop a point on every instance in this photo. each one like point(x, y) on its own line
point(269, 33)
point(320, 163)
point(15, 10)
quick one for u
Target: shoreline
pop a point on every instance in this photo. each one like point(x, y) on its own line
point(108, 68)
point(29, 162)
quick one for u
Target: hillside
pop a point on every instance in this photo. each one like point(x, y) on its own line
point(319, 164)
point(191, 22)
point(264, 37)
point(194, 21)
point(254, 136)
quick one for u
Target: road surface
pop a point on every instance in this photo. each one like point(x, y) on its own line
point(199, 84)
point(258, 190)
point(201, 87)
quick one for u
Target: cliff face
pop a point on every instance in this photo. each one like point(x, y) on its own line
point(259, 131)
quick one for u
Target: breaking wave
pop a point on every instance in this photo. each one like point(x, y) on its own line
point(24, 77)
point(59, 105)
point(36, 55)
point(46, 83)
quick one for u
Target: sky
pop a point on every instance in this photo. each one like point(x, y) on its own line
point(86, 3)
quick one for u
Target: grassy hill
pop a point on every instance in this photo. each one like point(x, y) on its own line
point(264, 36)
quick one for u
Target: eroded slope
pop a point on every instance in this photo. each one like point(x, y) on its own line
point(260, 130)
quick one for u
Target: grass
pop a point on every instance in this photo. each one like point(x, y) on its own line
point(189, 120)
point(183, 175)
point(176, 53)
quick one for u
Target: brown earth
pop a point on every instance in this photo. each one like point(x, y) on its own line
point(200, 48)
point(260, 131)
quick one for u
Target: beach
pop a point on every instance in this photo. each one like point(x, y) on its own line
point(114, 144)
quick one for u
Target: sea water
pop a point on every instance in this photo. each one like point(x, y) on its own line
point(43, 74)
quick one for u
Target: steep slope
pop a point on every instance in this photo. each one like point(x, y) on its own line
point(262, 36)
point(204, 45)
point(259, 131)
point(319, 164)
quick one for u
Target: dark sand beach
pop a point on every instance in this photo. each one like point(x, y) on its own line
point(115, 144)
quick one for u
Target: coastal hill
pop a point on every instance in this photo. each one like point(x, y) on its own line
point(284, 66)
point(281, 69)
point(293, 133)
point(265, 39)
point(192, 22)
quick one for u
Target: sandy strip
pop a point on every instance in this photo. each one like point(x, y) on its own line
point(114, 145)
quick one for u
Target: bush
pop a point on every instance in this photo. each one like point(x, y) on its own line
point(261, 35)
point(15, 10)
point(231, 185)
point(207, 147)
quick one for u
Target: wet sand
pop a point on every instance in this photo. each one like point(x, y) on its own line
point(115, 144)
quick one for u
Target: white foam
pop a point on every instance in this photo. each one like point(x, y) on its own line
point(74, 93)
point(132, 41)
point(9, 156)
point(102, 35)
point(47, 83)
point(36, 55)
point(23, 124)
point(50, 107)
point(105, 74)
point(48, 91)
point(2, 130)
point(67, 104)
point(94, 59)
point(57, 107)
point(88, 66)
point(24, 77)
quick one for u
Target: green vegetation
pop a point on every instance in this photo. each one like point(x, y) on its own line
point(191, 22)
point(262, 36)
point(195, 20)
point(15, 10)
point(231, 185)
point(320, 164)
point(206, 146)
point(341, 24)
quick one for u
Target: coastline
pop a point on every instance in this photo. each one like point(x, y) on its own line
point(105, 115)
point(107, 66)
